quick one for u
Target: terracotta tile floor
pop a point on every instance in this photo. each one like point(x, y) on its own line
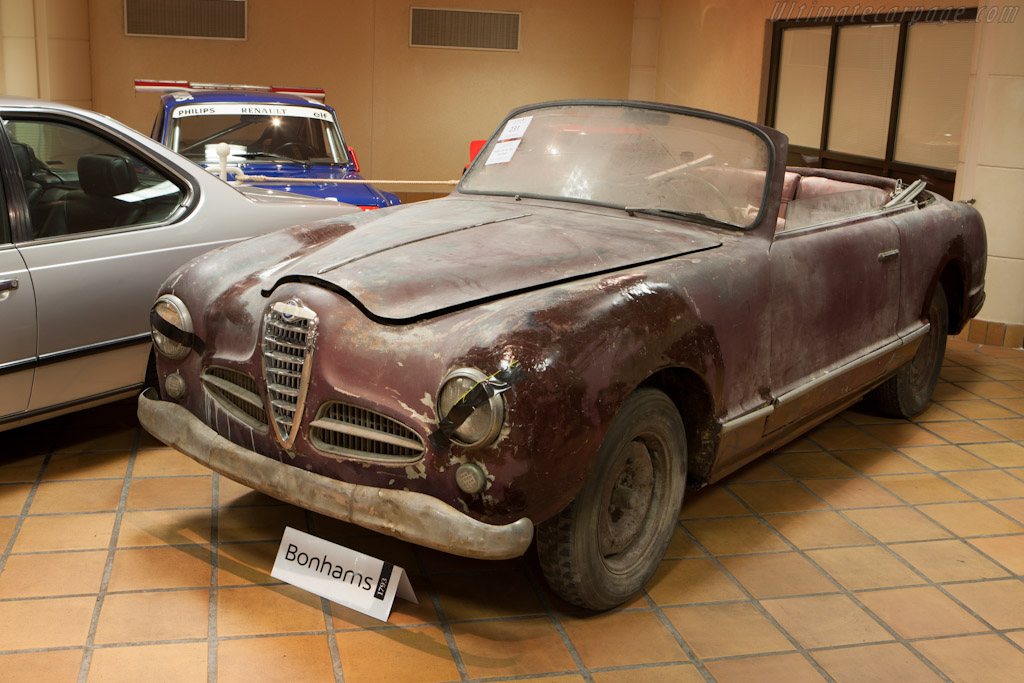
point(868, 550)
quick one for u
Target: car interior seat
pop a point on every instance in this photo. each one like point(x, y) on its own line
point(102, 177)
point(27, 162)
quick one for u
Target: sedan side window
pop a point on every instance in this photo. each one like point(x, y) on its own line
point(78, 182)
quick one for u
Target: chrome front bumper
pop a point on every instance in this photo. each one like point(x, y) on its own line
point(414, 517)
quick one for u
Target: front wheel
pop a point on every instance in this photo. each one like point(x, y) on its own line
point(906, 393)
point(603, 547)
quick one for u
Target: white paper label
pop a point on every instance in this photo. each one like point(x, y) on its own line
point(340, 574)
point(503, 152)
point(515, 128)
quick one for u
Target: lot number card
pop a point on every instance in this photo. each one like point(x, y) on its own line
point(341, 575)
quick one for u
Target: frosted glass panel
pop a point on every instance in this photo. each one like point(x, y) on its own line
point(862, 93)
point(803, 70)
point(934, 92)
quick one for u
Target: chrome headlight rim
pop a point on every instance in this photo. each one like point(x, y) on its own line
point(165, 346)
point(495, 405)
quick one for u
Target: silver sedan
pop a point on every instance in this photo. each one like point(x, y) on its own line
point(93, 217)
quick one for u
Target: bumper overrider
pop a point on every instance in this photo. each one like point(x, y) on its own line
point(410, 516)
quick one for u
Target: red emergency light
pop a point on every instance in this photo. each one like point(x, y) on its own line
point(145, 85)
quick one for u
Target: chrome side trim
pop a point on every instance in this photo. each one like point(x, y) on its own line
point(25, 418)
point(817, 382)
point(753, 416)
point(102, 347)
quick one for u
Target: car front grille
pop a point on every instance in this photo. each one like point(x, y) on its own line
point(237, 393)
point(355, 432)
point(289, 335)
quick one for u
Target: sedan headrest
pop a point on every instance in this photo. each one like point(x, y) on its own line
point(106, 175)
point(25, 157)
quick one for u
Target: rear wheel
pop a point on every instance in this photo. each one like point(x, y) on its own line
point(608, 542)
point(906, 393)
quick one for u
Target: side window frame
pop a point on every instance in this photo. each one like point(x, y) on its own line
point(15, 225)
point(187, 188)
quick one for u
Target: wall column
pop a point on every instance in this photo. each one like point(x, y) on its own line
point(991, 169)
point(18, 72)
point(643, 64)
point(44, 50)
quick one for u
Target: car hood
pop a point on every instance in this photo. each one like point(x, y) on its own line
point(425, 259)
point(349, 193)
point(279, 196)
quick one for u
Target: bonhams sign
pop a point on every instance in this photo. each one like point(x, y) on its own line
point(341, 575)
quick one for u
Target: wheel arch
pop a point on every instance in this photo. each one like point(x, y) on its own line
point(952, 279)
point(693, 400)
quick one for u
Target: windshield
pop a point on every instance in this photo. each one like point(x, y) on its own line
point(257, 133)
point(636, 158)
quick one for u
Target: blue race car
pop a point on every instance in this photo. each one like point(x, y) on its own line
point(272, 132)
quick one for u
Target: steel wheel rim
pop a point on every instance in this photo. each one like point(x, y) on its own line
point(632, 503)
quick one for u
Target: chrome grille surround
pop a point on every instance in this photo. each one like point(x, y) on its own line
point(357, 432)
point(289, 335)
point(237, 393)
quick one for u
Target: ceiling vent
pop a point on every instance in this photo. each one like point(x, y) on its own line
point(223, 19)
point(464, 29)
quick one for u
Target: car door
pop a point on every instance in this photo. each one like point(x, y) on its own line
point(17, 317)
point(106, 227)
point(835, 298)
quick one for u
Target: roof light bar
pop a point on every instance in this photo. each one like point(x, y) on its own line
point(143, 85)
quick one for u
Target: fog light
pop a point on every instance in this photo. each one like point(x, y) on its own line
point(470, 478)
point(174, 385)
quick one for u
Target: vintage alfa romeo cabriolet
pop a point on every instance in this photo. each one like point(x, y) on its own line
point(618, 301)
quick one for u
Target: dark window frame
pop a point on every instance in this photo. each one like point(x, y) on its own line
point(939, 179)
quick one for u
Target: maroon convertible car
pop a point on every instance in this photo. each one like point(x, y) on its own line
point(619, 300)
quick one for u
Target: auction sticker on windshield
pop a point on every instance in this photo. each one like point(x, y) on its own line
point(503, 152)
point(250, 110)
point(515, 128)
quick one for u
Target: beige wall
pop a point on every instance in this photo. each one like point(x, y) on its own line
point(45, 50)
point(409, 112)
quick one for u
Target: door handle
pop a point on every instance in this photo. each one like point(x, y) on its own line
point(8, 285)
point(889, 255)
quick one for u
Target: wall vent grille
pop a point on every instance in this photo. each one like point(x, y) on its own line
point(186, 18)
point(464, 29)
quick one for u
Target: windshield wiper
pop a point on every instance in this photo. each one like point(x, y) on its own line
point(682, 215)
point(270, 155)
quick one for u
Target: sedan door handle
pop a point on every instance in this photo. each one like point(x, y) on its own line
point(889, 255)
point(8, 285)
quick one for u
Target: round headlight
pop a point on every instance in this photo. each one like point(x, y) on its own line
point(171, 309)
point(484, 422)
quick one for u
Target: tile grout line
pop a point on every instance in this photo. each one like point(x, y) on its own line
point(212, 643)
point(83, 672)
point(757, 602)
point(9, 550)
point(445, 625)
point(841, 589)
point(328, 614)
point(555, 620)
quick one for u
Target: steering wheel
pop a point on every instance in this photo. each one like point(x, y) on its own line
point(307, 150)
point(707, 189)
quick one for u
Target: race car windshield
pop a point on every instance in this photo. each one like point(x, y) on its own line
point(640, 159)
point(255, 134)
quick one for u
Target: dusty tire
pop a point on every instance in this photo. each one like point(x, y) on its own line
point(906, 393)
point(603, 548)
